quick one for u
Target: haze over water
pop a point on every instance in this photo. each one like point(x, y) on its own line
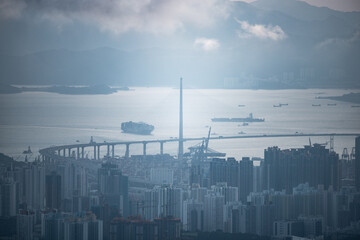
point(40, 120)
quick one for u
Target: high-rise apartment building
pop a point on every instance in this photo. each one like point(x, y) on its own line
point(285, 169)
point(53, 187)
point(357, 163)
point(114, 186)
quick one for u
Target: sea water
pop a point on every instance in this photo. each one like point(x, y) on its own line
point(40, 120)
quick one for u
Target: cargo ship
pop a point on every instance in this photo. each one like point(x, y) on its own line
point(281, 104)
point(248, 119)
point(137, 128)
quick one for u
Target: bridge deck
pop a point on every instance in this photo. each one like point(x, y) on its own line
point(80, 145)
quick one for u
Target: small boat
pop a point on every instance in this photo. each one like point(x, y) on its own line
point(277, 105)
point(355, 106)
point(241, 105)
point(316, 105)
point(331, 104)
point(241, 132)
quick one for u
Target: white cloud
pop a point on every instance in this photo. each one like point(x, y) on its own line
point(337, 43)
point(11, 8)
point(118, 16)
point(207, 44)
point(260, 31)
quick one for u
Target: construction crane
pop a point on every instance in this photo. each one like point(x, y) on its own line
point(201, 150)
point(321, 144)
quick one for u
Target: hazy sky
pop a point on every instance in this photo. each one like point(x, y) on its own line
point(218, 37)
point(28, 26)
point(145, 16)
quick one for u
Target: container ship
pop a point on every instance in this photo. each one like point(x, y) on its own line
point(248, 119)
point(137, 128)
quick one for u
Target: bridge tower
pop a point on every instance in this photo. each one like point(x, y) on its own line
point(181, 145)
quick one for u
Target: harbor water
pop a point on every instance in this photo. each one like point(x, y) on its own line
point(40, 120)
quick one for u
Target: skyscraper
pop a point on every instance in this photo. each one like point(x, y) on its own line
point(163, 201)
point(53, 191)
point(133, 228)
point(357, 163)
point(84, 228)
point(34, 185)
point(25, 225)
point(52, 225)
point(213, 212)
point(59, 226)
point(246, 169)
point(222, 170)
point(114, 186)
point(169, 228)
point(218, 171)
point(193, 215)
point(285, 169)
point(8, 199)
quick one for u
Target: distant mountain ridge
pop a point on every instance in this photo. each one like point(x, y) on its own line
point(321, 49)
point(304, 11)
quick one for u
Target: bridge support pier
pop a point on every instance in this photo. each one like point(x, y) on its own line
point(69, 152)
point(108, 150)
point(82, 152)
point(98, 153)
point(161, 148)
point(112, 151)
point(64, 152)
point(58, 151)
point(127, 152)
point(144, 150)
point(77, 153)
point(94, 152)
